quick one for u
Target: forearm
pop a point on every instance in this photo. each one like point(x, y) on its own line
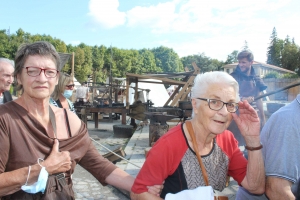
point(144, 196)
point(277, 189)
point(11, 182)
point(254, 181)
point(120, 179)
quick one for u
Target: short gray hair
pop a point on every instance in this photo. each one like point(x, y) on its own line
point(202, 81)
point(6, 60)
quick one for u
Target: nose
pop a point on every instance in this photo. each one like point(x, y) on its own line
point(223, 110)
point(42, 77)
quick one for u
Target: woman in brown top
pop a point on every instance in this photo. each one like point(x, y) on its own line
point(35, 134)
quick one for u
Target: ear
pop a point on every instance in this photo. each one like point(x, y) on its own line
point(19, 81)
point(251, 62)
point(194, 104)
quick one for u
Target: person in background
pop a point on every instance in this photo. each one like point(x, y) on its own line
point(281, 138)
point(38, 146)
point(62, 92)
point(250, 86)
point(172, 159)
point(82, 94)
point(6, 79)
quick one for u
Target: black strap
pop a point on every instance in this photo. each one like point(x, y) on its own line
point(59, 103)
point(68, 124)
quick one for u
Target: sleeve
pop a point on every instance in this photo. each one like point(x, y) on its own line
point(4, 146)
point(162, 160)
point(237, 166)
point(97, 165)
point(281, 138)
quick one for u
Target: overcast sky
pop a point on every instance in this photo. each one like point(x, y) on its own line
point(213, 27)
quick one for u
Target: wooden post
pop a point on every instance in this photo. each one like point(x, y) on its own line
point(127, 92)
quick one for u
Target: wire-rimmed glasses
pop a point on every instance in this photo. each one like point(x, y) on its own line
point(216, 105)
point(36, 71)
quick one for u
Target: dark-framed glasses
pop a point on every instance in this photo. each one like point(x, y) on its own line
point(216, 105)
point(36, 71)
point(70, 87)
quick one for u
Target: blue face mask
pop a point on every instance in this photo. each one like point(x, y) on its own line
point(38, 186)
point(68, 93)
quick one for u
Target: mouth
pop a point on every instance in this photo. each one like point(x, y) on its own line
point(219, 122)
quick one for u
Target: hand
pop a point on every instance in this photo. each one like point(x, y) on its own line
point(249, 99)
point(248, 123)
point(57, 161)
point(155, 189)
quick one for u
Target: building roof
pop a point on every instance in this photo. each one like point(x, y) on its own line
point(260, 64)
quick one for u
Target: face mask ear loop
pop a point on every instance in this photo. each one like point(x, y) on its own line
point(38, 161)
point(29, 169)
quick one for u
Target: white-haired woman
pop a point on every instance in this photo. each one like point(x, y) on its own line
point(173, 158)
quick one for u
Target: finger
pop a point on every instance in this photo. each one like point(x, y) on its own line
point(55, 147)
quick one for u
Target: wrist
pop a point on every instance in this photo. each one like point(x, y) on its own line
point(254, 148)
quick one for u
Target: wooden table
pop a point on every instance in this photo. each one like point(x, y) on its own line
point(121, 110)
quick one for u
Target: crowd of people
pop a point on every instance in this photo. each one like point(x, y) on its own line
point(42, 139)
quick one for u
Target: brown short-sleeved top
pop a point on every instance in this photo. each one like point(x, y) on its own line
point(23, 140)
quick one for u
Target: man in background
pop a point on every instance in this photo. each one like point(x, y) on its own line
point(6, 79)
point(82, 94)
point(250, 86)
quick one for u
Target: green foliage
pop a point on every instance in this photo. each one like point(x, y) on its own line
point(232, 58)
point(272, 75)
point(290, 76)
point(205, 63)
point(167, 59)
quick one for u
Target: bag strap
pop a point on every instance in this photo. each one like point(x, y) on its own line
point(191, 132)
point(52, 120)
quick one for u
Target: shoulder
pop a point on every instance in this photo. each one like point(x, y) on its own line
point(227, 142)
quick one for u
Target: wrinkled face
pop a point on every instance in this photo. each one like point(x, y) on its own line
point(6, 76)
point(39, 87)
point(212, 121)
point(245, 65)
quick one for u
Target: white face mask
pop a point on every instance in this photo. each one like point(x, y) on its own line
point(38, 186)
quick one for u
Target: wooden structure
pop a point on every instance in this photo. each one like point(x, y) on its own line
point(181, 92)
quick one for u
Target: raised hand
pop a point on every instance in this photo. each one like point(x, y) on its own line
point(57, 161)
point(248, 123)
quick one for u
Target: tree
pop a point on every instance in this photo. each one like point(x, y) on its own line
point(148, 62)
point(232, 58)
point(274, 49)
point(289, 55)
point(245, 47)
point(167, 60)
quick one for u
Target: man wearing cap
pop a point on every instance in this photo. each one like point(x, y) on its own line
point(6, 79)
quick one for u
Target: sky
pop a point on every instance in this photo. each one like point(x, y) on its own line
point(213, 27)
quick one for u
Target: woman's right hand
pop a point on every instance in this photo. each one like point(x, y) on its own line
point(57, 161)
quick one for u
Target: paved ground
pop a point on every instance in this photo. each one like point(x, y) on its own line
point(87, 187)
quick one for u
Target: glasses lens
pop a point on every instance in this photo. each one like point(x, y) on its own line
point(215, 104)
point(232, 107)
point(51, 73)
point(70, 86)
point(33, 71)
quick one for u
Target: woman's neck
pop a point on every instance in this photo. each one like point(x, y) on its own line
point(63, 101)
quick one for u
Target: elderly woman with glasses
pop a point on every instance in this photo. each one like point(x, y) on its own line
point(176, 157)
point(62, 92)
point(39, 149)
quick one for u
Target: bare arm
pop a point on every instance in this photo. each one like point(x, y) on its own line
point(120, 179)
point(278, 188)
point(144, 196)
point(249, 125)
point(11, 182)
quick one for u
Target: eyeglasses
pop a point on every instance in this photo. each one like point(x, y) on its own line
point(70, 87)
point(215, 104)
point(36, 71)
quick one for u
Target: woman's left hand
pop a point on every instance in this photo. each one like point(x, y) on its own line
point(248, 123)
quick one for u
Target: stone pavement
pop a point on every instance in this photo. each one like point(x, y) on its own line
point(87, 187)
